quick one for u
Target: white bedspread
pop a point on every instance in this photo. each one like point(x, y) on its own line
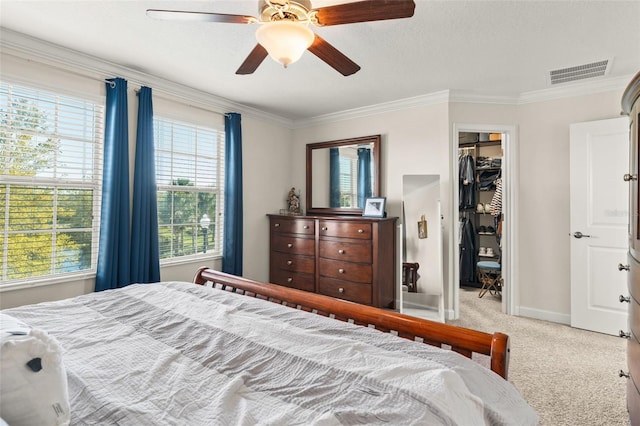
point(182, 354)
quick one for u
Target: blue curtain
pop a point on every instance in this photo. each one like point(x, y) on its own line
point(364, 175)
point(232, 246)
point(114, 252)
point(334, 177)
point(145, 252)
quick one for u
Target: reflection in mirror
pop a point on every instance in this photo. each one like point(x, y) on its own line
point(342, 174)
point(422, 292)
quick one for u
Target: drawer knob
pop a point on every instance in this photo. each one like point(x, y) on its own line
point(629, 177)
point(289, 280)
point(324, 228)
point(305, 227)
point(360, 231)
point(624, 299)
point(624, 335)
point(276, 225)
point(622, 267)
point(341, 290)
point(341, 271)
point(289, 245)
point(623, 374)
point(340, 251)
point(289, 262)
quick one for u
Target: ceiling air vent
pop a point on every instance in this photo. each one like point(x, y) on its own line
point(579, 72)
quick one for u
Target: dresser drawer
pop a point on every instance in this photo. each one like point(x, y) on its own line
point(633, 357)
point(359, 293)
point(292, 262)
point(332, 228)
point(299, 280)
point(354, 272)
point(348, 252)
point(634, 318)
point(633, 400)
point(297, 226)
point(634, 278)
point(293, 245)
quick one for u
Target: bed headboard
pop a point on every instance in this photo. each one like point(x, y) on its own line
point(462, 340)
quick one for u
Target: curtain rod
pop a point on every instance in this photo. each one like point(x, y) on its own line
point(191, 105)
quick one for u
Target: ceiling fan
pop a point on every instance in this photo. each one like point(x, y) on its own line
point(284, 32)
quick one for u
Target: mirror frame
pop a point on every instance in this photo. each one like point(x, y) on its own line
point(375, 140)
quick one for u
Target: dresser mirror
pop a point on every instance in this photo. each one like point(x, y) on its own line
point(341, 174)
point(422, 283)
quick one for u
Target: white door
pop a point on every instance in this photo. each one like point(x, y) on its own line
point(599, 220)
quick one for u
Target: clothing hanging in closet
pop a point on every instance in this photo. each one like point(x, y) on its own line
point(467, 251)
point(496, 201)
point(467, 180)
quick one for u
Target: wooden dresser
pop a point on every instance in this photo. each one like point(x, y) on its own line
point(352, 258)
point(631, 107)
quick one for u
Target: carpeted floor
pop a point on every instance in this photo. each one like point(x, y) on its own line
point(570, 376)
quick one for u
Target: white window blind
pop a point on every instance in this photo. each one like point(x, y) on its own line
point(348, 179)
point(50, 183)
point(190, 179)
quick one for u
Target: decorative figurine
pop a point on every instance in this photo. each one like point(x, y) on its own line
point(293, 201)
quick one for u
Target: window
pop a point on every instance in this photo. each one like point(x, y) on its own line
point(348, 179)
point(190, 179)
point(50, 165)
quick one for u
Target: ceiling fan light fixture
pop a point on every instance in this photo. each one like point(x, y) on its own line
point(285, 41)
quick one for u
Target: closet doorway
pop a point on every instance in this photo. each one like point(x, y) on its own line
point(508, 258)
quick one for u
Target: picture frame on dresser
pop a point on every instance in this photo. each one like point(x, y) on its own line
point(374, 207)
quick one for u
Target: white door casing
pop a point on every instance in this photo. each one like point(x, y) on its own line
point(510, 226)
point(599, 205)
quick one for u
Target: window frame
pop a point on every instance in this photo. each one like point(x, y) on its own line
point(217, 219)
point(57, 184)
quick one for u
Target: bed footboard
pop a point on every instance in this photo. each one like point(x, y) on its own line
point(462, 340)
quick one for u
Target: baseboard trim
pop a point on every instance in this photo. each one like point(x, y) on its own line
point(565, 319)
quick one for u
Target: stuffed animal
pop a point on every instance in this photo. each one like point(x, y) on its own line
point(33, 380)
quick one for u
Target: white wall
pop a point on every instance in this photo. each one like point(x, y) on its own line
point(544, 199)
point(267, 155)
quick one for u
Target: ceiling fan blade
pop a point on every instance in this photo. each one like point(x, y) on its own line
point(365, 11)
point(333, 57)
point(181, 15)
point(253, 61)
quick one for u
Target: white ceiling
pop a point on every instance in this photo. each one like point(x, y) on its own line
point(487, 48)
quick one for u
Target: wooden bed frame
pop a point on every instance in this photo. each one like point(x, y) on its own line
point(462, 340)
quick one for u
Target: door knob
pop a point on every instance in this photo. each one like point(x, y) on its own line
point(629, 177)
point(622, 267)
point(623, 374)
point(623, 299)
point(579, 235)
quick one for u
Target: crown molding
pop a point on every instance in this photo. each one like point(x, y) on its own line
point(580, 88)
point(470, 97)
point(385, 107)
point(567, 90)
point(91, 66)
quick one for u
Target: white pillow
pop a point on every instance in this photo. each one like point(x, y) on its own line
point(33, 384)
